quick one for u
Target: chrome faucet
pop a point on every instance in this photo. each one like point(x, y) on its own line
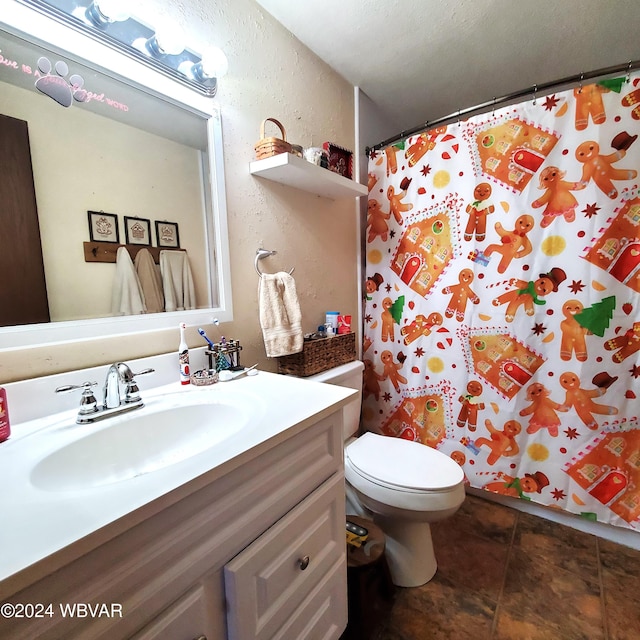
point(118, 373)
point(121, 394)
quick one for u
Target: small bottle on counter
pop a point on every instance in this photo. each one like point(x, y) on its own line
point(183, 357)
point(5, 426)
point(344, 324)
point(331, 318)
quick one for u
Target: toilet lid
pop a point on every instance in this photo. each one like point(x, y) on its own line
point(404, 464)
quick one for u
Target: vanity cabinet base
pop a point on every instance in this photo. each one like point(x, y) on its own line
point(166, 574)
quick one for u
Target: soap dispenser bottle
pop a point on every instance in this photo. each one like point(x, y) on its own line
point(183, 356)
point(5, 427)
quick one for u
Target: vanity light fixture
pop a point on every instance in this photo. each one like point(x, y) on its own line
point(160, 48)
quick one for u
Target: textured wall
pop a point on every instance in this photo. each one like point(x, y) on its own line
point(270, 74)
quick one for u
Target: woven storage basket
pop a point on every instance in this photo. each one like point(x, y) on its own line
point(267, 147)
point(319, 355)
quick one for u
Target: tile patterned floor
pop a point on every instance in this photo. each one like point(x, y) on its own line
point(507, 575)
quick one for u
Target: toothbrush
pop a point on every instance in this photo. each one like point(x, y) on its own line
point(226, 376)
point(225, 364)
point(204, 335)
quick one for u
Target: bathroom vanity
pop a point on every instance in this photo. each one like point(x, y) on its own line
point(241, 540)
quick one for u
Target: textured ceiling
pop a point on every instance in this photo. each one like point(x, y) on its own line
point(419, 60)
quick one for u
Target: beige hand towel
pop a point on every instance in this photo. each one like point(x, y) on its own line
point(280, 316)
point(126, 297)
point(150, 281)
point(177, 282)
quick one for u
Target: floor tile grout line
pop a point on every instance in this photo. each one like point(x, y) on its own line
point(603, 602)
point(496, 613)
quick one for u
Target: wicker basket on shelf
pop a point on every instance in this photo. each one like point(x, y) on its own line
point(267, 147)
point(319, 355)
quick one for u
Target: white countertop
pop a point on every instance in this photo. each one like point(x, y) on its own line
point(40, 527)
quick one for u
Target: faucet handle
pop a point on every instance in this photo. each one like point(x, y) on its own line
point(88, 402)
point(144, 372)
point(132, 393)
point(86, 386)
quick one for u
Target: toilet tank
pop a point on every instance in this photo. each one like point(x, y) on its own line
point(346, 375)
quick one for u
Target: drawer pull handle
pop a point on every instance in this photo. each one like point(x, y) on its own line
point(303, 563)
point(201, 638)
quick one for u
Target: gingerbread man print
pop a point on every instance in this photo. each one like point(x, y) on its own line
point(396, 205)
point(386, 318)
point(501, 443)
point(391, 370)
point(461, 293)
point(632, 99)
point(557, 196)
point(516, 487)
point(391, 314)
point(371, 380)
point(478, 211)
point(626, 344)
point(392, 161)
point(589, 103)
point(424, 142)
point(599, 168)
point(471, 404)
point(372, 284)
point(377, 221)
point(573, 334)
point(513, 244)
point(527, 294)
point(420, 326)
point(460, 459)
point(580, 400)
point(542, 410)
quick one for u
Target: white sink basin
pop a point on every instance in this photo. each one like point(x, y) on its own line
point(137, 443)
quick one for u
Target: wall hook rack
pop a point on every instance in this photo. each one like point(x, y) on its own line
point(97, 251)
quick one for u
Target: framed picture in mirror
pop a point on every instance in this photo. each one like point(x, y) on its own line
point(167, 235)
point(103, 227)
point(137, 231)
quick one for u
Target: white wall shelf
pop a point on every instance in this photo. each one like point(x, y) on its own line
point(300, 174)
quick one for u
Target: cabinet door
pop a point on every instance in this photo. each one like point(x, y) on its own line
point(185, 619)
point(296, 565)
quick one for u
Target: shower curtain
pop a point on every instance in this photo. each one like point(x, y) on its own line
point(502, 311)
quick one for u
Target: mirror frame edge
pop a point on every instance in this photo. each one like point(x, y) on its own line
point(24, 21)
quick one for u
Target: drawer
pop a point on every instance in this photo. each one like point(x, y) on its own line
point(277, 575)
point(323, 613)
point(186, 618)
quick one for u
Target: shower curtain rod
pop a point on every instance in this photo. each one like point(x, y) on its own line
point(534, 91)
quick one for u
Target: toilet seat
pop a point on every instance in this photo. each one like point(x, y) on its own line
point(403, 465)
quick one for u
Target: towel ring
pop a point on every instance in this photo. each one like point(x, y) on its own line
point(265, 253)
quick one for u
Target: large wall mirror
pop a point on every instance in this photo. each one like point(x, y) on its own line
point(106, 135)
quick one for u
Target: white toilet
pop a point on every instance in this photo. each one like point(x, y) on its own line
point(402, 485)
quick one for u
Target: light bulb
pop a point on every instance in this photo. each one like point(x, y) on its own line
point(103, 12)
point(214, 64)
point(167, 41)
